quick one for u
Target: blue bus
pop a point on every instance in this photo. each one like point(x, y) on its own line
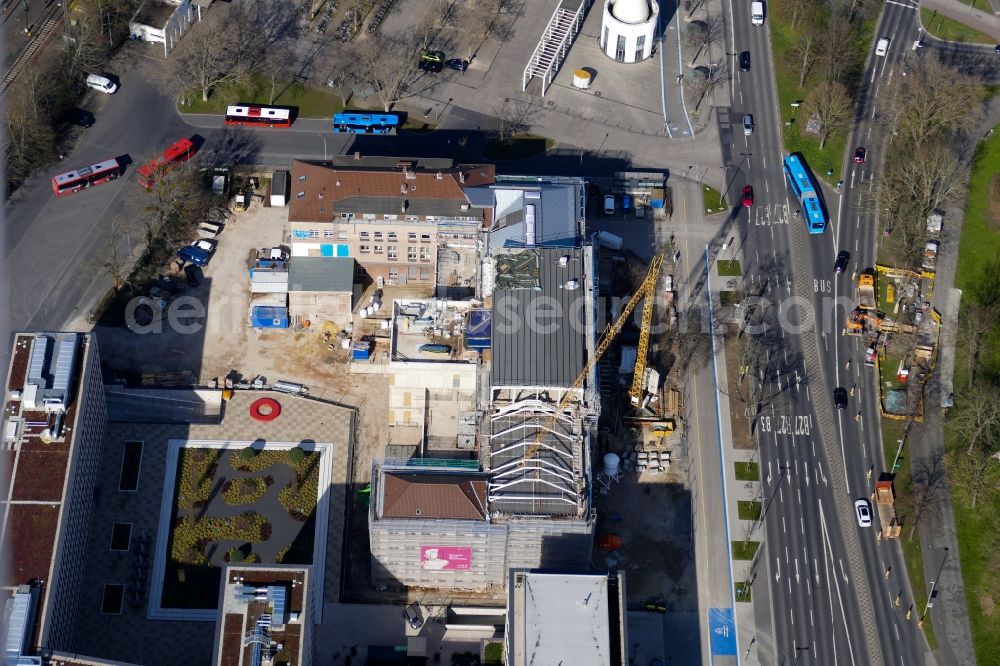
point(363, 122)
point(806, 192)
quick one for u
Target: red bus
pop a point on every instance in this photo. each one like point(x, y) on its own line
point(181, 151)
point(257, 116)
point(95, 174)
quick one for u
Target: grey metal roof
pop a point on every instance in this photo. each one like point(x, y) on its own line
point(539, 334)
point(480, 196)
point(52, 364)
point(321, 274)
point(556, 216)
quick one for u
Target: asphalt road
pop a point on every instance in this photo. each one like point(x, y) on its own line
point(822, 572)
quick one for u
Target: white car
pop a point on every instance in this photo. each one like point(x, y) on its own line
point(863, 510)
point(206, 245)
point(101, 84)
point(882, 46)
point(609, 204)
point(748, 124)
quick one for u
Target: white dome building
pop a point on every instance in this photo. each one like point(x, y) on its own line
point(629, 28)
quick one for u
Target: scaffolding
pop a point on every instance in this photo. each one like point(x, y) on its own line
point(554, 44)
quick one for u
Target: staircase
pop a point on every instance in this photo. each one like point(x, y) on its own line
point(554, 44)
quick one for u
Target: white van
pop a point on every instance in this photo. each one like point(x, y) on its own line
point(101, 84)
point(748, 124)
point(757, 13)
point(882, 47)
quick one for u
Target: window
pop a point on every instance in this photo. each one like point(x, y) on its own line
point(412, 237)
point(328, 233)
point(388, 217)
point(425, 238)
point(411, 272)
point(128, 481)
point(364, 235)
point(425, 254)
point(342, 235)
point(344, 216)
point(368, 216)
point(114, 597)
point(378, 249)
point(425, 274)
point(393, 252)
point(411, 218)
point(604, 40)
point(640, 45)
point(620, 51)
point(411, 254)
point(393, 274)
point(300, 195)
point(364, 248)
point(302, 179)
point(392, 236)
point(121, 536)
point(378, 235)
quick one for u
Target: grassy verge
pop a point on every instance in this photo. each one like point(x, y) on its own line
point(713, 200)
point(980, 242)
point(523, 145)
point(730, 268)
point(943, 27)
point(744, 592)
point(747, 471)
point(310, 102)
point(745, 550)
point(749, 510)
point(783, 38)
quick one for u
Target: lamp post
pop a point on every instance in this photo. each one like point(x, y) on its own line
point(930, 594)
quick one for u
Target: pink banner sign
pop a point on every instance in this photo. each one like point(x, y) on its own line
point(445, 558)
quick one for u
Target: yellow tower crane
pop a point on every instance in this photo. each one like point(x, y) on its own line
point(647, 290)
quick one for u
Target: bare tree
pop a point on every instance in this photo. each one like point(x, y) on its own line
point(840, 54)
point(114, 261)
point(28, 140)
point(933, 100)
point(704, 80)
point(805, 50)
point(803, 12)
point(976, 323)
point(387, 64)
point(929, 488)
point(515, 115)
point(977, 420)
point(973, 475)
point(831, 106)
point(491, 19)
point(209, 56)
point(703, 34)
point(441, 14)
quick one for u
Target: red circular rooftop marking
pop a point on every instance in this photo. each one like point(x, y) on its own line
point(265, 409)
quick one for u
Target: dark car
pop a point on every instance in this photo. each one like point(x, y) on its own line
point(997, 49)
point(747, 196)
point(457, 63)
point(413, 615)
point(431, 66)
point(840, 397)
point(745, 61)
point(859, 155)
point(79, 117)
point(840, 263)
point(193, 275)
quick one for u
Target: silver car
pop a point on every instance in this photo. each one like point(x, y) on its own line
point(748, 124)
point(863, 510)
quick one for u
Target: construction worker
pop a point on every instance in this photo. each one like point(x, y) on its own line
point(847, 366)
point(851, 392)
point(858, 417)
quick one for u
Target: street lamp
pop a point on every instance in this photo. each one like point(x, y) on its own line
point(930, 595)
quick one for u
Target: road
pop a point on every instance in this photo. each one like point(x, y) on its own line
point(827, 589)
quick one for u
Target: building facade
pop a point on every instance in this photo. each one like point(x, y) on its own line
point(628, 29)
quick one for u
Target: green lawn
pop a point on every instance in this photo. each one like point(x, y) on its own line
point(745, 550)
point(310, 102)
point(743, 592)
point(730, 268)
point(980, 241)
point(713, 200)
point(749, 510)
point(783, 39)
point(747, 471)
point(943, 27)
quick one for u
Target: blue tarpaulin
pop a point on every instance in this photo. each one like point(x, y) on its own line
point(269, 316)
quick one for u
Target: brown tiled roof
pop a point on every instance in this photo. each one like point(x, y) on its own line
point(320, 190)
point(429, 495)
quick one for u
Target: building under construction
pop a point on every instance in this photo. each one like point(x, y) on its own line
point(525, 500)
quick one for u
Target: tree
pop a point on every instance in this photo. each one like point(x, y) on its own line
point(973, 474)
point(702, 34)
point(492, 19)
point(977, 419)
point(805, 50)
point(929, 487)
point(387, 64)
point(212, 54)
point(515, 115)
point(830, 105)
point(838, 43)
point(29, 139)
point(932, 101)
point(114, 262)
point(976, 323)
point(704, 81)
point(797, 12)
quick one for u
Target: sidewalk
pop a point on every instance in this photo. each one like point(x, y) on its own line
point(982, 21)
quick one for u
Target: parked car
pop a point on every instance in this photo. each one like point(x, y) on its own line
point(840, 397)
point(193, 274)
point(859, 155)
point(79, 117)
point(626, 203)
point(457, 63)
point(840, 263)
point(609, 204)
point(863, 509)
point(209, 229)
point(198, 253)
point(745, 61)
point(431, 66)
point(101, 84)
point(413, 615)
point(747, 196)
point(431, 56)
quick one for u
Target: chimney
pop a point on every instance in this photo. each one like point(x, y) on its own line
point(357, 154)
point(461, 176)
point(439, 176)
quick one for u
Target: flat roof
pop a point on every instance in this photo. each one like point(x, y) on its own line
point(323, 274)
point(548, 212)
point(539, 317)
point(561, 618)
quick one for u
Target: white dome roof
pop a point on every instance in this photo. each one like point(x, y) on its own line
point(631, 11)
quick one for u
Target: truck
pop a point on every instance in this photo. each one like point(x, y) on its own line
point(209, 229)
point(929, 260)
point(866, 291)
point(885, 500)
point(610, 240)
point(934, 223)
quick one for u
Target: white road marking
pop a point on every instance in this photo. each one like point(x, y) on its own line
point(796, 570)
point(777, 569)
